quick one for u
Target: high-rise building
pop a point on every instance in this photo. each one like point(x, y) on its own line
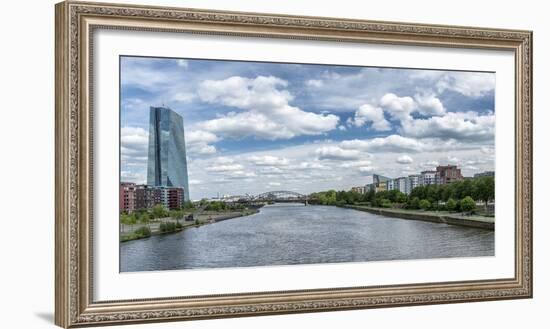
point(377, 179)
point(428, 177)
point(380, 182)
point(369, 187)
point(401, 184)
point(448, 174)
point(382, 186)
point(167, 162)
point(390, 185)
point(412, 182)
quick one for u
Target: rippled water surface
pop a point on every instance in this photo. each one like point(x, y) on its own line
point(283, 234)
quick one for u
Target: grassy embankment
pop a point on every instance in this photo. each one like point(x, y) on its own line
point(171, 225)
point(447, 217)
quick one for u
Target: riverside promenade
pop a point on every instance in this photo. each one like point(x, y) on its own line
point(431, 216)
point(207, 217)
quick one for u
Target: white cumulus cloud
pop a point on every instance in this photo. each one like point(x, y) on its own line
point(336, 153)
point(198, 142)
point(314, 83)
point(359, 163)
point(370, 114)
point(308, 165)
point(366, 169)
point(266, 112)
point(392, 143)
point(225, 168)
point(399, 108)
point(459, 126)
point(404, 159)
point(452, 125)
point(468, 83)
point(199, 136)
point(268, 160)
point(429, 105)
point(134, 142)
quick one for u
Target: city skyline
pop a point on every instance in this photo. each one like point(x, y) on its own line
point(252, 127)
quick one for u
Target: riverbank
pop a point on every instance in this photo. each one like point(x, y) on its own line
point(291, 234)
point(135, 232)
point(487, 223)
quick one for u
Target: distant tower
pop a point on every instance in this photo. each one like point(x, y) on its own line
point(167, 162)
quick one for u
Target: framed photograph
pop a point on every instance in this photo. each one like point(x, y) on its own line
point(217, 164)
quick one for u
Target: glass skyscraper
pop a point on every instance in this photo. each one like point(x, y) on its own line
point(167, 162)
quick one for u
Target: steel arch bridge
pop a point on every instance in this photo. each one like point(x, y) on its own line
point(281, 196)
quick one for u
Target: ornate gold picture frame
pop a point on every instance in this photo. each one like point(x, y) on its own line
point(76, 22)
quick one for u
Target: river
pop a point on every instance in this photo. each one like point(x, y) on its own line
point(283, 234)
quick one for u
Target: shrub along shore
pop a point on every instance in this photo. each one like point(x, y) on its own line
point(453, 203)
point(174, 224)
point(431, 216)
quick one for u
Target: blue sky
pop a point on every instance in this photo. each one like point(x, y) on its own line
point(253, 127)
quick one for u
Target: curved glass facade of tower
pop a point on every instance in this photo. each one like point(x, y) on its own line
point(167, 162)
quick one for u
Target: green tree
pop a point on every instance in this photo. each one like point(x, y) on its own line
point(465, 188)
point(167, 227)
point(432, 193)
point(176, 214)
point(321, 197)
point(467, 204)
point(413, 203)
point(446, 192)
point(331, 197)
point(143, 232)
point(354, 197)
point(381, 202)
point(144, 218)
point(347, 197)
point(159, 211)
point(401, 197)
point(424, 204)
point(216, 206)
point(485, 189)
point(419, 192)
point(451, 204)
point(369, 196)
point(128, 219)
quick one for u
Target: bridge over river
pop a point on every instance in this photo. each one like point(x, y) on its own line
point(260, 200)
point(280, 196)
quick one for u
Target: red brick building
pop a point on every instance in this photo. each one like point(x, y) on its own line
point(134, 197)
point(173, 197)
point(127, 197)
point(448, 174)
point(147, 196)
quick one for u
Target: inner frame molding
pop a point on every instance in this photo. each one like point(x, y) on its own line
point(75, 24)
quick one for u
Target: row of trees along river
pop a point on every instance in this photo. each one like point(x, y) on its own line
point(144, 216)
point(456, 196)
